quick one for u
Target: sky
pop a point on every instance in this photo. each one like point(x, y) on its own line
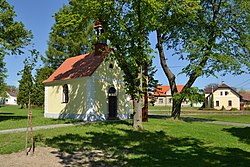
point(37, 17)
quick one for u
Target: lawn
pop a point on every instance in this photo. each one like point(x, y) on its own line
point(13, 117)
point(163, 142)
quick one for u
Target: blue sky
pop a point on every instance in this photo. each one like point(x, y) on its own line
point(37, 17)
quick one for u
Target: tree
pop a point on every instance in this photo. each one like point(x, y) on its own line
point(214, 40)
point(13, 37)
point(3, 71)
point(27, 81)
point(38, 91)
point(71, 35)
point(126, 28)
point(124, 25)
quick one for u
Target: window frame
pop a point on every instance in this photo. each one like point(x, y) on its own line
point(160, 101)
point(217, 103)
point(65, 94)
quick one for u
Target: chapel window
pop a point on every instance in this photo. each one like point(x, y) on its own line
point(65, 94)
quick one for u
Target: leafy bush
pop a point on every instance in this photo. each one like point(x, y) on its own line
point(247, 108)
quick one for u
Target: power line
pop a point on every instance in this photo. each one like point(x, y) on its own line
point(243, 83)
point(171, 66)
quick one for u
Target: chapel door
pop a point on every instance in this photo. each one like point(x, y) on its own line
point(112, 100)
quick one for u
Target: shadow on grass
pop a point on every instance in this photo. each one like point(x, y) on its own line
point(6, 113)
point(158, 116)
point(4, 118)
point(242, 133)
point(116, 146)
point(186, 119)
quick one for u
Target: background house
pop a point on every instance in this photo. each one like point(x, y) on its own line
point(163, 97)
point(223, 97)
point(10, 99)
point(245, 101)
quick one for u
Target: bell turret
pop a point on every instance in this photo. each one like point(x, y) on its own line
point(101, 44)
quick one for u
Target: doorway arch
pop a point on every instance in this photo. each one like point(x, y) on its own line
point(112, 103)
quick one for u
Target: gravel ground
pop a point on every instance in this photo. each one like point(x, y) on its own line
point(43, 157)
point(50, 157)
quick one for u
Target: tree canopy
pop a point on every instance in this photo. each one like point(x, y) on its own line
point(13, 38)
point(214, 41)
point(71, 35)
point(211, 35)
point(13, 35)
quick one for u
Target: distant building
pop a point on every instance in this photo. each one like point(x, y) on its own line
point(11, 98)
point(224, 97)
point(245, 100)
point(163, 97)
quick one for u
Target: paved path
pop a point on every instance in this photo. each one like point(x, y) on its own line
point(158, 115)
point(203, 120)
point(37, 128)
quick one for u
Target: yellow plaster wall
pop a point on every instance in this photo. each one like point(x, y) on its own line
point(104, 78)
point(223, 100)
point(77, 97)
point(103, 82)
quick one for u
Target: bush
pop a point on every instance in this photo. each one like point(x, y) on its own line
point(234, 109)
point(222, 108)
point(247, 108)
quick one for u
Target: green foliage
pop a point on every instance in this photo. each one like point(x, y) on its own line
point(71, 35)
point(213, 36)
point(215, 41)
point(27, 81)
point(193, 95)
point(13, 35)
point(3, 71)
point(38, 89)
point(247, 108)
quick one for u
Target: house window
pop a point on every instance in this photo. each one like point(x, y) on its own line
point(226, 93)
point(65, 94)
point(169, 101)
point(160, 101)
point(217, 104)
point(221, 93)
point(230, 103)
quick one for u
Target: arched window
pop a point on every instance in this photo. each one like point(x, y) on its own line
point(112, 91)
point(65, 94)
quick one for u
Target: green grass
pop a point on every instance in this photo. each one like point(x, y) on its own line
point(163, 142)
point(13, 117)
point(225, 118)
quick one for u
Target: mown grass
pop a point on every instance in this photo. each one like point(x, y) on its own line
point(226, 118)
point(13, 117)
point(163, 142)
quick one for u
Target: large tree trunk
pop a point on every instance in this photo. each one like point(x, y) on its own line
point(176, 109)
point(145, 85)
point(137, 120)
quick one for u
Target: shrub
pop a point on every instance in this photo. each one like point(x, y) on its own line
point(247, 108)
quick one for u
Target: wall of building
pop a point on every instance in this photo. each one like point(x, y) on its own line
point(88, 96)
point(222, 98)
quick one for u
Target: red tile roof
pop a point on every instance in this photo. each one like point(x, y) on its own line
point(245, 96)
point(162, 90)
point(76, 67)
